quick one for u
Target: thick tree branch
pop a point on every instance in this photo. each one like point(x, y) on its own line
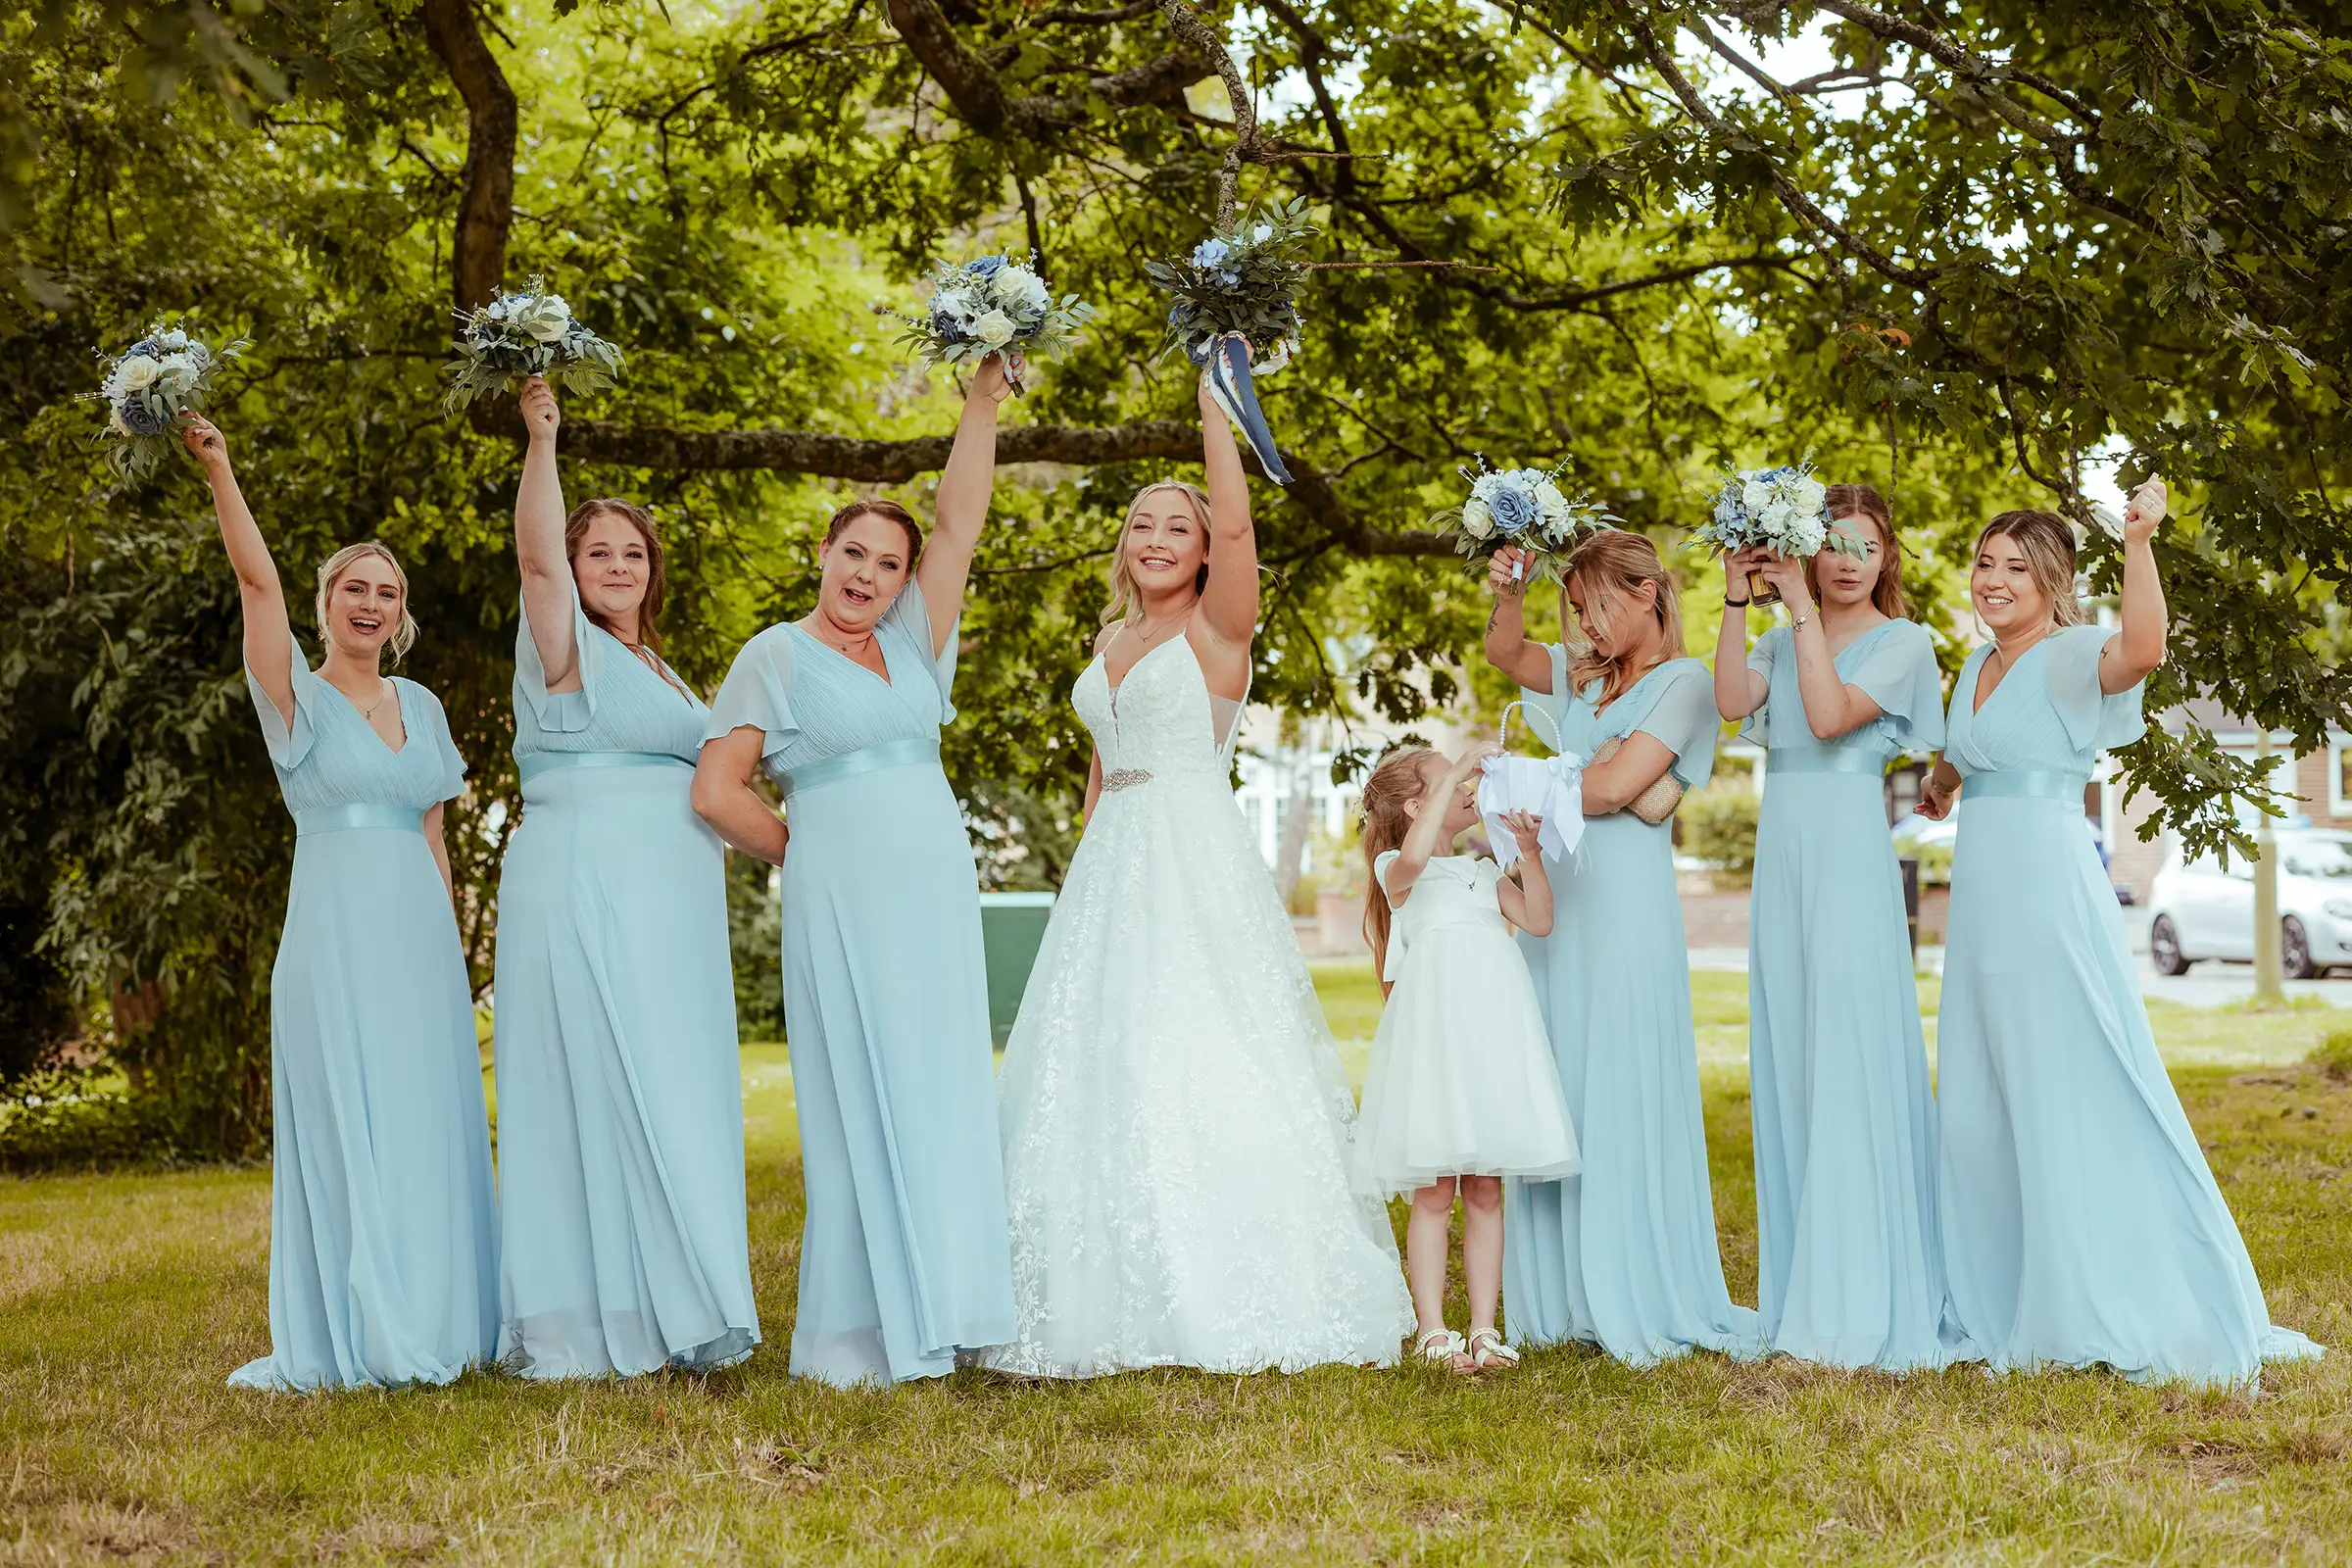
point(840, 457)
point(477, 249)
point(977, 92)
point(1198, 39)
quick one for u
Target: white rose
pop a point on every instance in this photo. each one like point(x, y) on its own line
point(1811, 494)
point(178, 373)
point(134, 374)
point(1555, 504)
point(547, 319)
point(1477, 521)
point(1016, 288)
point(995, 329)
point(1755, 495)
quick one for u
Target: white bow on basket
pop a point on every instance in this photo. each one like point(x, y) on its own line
point(1549, 787)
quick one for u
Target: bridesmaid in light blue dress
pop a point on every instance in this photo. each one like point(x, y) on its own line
point(619, 1090)
point(382, 1236)
point(1623, 1256)
point(905, 1261)
point(1850, 1264)
point(2081, 1225)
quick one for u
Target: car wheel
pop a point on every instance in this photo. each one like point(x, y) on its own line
point(2294, 951)
point(2163, 945)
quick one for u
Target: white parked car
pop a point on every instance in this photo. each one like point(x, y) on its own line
point(2201, 911)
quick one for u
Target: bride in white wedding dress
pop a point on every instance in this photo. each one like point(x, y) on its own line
point(1176, 1126)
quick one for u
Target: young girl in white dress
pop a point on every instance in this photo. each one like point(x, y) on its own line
point(1463, 1088)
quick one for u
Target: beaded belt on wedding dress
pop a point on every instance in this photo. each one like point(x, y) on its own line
point(1124, 778)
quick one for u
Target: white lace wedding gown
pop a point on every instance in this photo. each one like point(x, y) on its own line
point(1176, 1125)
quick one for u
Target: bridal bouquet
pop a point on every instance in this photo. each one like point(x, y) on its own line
point(517, 336)
point(1236, 297)
point(994, 306)
point(163, 375)
point(1784, 509)
point(1523, 508)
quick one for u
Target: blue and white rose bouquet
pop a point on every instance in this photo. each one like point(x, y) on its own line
point(1525, 509)
point(517, 336)
point(157, 379)
point(1784, 509)
point(1236, 313)
point(995, 306)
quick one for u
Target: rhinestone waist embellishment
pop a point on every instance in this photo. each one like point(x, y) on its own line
point(1124, 778)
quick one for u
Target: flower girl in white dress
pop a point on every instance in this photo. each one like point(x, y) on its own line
point(1463, 1088)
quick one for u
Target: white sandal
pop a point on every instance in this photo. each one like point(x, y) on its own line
point(1488, 1350)
point(1443, 1348)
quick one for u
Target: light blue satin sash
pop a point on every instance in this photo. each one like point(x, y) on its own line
point(909, 753)
point(1827, 760)
point(2024, 785)
point(366, 813)
point(527, 768)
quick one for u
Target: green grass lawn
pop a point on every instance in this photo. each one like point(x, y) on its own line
point(125, 1299)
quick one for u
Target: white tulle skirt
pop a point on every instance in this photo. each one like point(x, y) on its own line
point(1462, 1081)
point(1176, 1125)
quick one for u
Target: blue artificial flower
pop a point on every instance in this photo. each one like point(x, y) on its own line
point(146, 346)
point(141, 419)
point(1514, 509)
point(986, 266)
point(1211, 252)
point(1228, 277)
point(947, 326)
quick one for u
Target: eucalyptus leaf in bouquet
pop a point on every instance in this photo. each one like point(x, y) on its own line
point(994, 305)
point(1525, 509)
point(517, 336)
point(1235, 311)
point(1784, 509)
point(164, 375)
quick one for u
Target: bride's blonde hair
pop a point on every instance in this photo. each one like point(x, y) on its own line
point(1123, 590)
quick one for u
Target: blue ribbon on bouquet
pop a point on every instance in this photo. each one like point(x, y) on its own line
point(1226, 357)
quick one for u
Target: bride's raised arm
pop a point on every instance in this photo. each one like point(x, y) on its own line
point(1229, 602)
point(964, 488)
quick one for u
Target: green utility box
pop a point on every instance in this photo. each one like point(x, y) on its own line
point(1011, 927)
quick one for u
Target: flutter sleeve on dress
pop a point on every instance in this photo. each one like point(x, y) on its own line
point(2093, 720)
point(558, 712)
point(913, 618)
point(288, 743)
point(453, 765)
point(1683, 717)
point(1898, 673)
point(1757, 726)
point(757, 691)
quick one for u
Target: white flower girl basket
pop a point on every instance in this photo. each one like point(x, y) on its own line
point(1548, 787)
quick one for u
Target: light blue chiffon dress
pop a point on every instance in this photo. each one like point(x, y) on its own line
point(1624, 1256)
point(1849, 1259)
point(619, 1090)
point(384, 1233)
point(2081, 1225)
point(905, 1259)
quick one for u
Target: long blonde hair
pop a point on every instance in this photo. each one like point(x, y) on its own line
point(2048, 542)
point(1613, 565)
point(1123, 590)
point(404, 635)
point(1402, 778)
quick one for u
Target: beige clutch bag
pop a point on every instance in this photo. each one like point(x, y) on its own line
point(1656, 804)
